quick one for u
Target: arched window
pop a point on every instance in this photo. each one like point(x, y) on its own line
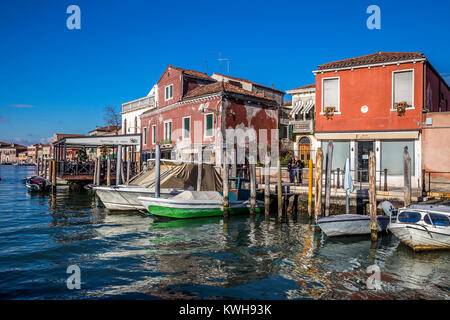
point(304, 140)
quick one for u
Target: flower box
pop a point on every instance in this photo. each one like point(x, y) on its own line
point(329, 112)
point(401, 108)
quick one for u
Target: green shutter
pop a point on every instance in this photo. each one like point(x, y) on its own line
point(291, 131)
point(209, 125)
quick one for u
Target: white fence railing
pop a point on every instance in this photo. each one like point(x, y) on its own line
point(139, 103)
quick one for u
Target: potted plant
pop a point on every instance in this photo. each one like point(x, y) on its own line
point(401, 107)
point(329, 112)
point(104, 151)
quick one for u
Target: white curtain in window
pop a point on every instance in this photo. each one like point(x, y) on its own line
point(331, 93)
point(403, 87)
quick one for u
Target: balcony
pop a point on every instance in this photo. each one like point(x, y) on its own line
point(302, 126)
point(145, 102)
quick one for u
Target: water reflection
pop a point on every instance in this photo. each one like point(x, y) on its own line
point(249, 257)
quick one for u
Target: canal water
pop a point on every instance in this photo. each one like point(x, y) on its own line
point(134, 256)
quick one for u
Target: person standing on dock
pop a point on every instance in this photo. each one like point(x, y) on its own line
point(299, 170)
point(290, 165)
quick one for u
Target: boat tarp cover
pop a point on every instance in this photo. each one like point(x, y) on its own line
point(181, 176)
point(148, 177)
point(199, 195)
point(185, 177)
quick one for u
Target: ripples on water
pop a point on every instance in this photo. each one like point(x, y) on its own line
point(134, 256)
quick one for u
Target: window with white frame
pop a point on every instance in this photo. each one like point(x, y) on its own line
point(169, 92)
point(154, 134)
point(145, 135)
point(330, 94)
point(186, 127)
point(402, 87)
point(209, 125)
point(168, 131)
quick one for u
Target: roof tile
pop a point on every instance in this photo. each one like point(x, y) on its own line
point(378, 57)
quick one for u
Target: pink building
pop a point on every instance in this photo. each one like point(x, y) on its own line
point(193, 108)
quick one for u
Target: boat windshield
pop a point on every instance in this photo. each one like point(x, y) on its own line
point(437, 219)
point(409, 217)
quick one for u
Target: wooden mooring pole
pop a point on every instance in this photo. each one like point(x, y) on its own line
point(54, 175)
point(252, 173)
point(94, 179)
point(157, 170)
point(328, 177)
point(267, 186)
point(310, 181)
point(37, 166)
point(99, 164)
point(119, 163)
point(45, 169)
point(108, 171)
point(372, 198)
point(279, 191)
point(318, 185)
point(407, 177)
point(50, 172)
point(199, 169)
point(226, 203)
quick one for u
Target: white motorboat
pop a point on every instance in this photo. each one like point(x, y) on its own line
point(174, 179)
point(124, 197)
point(350, 224)
point(423, 227)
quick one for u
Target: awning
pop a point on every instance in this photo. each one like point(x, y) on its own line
point(298, 106)
point(308, 106)
point(97, 141)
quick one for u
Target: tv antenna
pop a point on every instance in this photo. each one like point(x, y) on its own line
point(228, 64)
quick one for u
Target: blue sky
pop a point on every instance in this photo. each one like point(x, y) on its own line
point(53, 79)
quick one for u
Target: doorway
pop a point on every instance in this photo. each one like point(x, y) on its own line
point(304, 149)
point(364, 148)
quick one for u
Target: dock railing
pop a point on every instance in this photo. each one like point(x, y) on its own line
point(360, 177)
point(87, 168)
point(435, 181)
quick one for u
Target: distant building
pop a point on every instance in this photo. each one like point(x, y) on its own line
point(105, 131)
point(297, 121)
point(70, 153)
point(9, 153)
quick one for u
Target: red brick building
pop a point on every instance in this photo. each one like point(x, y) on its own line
point(357, 104)
point(195, 109)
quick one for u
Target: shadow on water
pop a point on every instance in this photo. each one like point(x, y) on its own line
point(133, 255)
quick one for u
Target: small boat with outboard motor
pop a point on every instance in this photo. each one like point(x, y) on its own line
point(353, 224)
point(37, 183)
point(197, 204)
point(423, 226)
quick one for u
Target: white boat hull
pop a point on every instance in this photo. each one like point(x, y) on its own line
point(125, 198)
point(420, 237)
point(350, 224)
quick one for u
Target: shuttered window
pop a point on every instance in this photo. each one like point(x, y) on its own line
point(330, 95)
point(169, 92)
point(209, 125)
point(186, 128)
point(168, 131)
point(154, 134)
point(403, 87)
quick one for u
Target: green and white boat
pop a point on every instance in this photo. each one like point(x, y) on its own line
point(195, 204)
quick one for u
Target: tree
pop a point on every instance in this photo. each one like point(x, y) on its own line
point(113, 118)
